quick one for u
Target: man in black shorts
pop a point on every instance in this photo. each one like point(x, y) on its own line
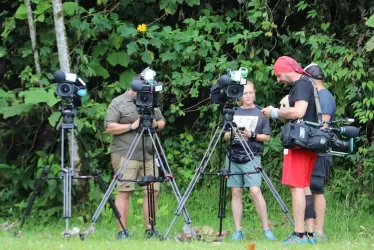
point(323, 163)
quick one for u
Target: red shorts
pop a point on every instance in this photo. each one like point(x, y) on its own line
point(298, 166)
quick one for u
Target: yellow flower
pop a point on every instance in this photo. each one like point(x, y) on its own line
point(142, 27)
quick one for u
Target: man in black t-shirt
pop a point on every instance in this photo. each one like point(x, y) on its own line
point(297, 163)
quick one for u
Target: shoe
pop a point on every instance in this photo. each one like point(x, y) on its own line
point(313, 240)
point(293, 239)
point(320, 237)
point(237, 236)
point(123, 235)
point(150, 234)
point(269, 235)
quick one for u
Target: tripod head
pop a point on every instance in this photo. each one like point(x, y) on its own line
point(67, 112)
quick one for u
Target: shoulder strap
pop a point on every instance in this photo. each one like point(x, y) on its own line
point(316, 97)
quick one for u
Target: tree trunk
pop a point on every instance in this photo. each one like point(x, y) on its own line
point(62, 46)
point(34, 45)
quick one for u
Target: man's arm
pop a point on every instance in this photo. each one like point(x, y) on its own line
point(115, 128)
point(292, 113)
point(296, 112)
point(326, 119)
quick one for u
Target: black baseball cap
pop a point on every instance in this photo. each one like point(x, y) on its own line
point(315, 71)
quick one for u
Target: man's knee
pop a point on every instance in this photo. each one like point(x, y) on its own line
point(255, 192)
point(125, 195)
point(236, 193)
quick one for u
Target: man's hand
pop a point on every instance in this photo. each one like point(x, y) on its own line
point(246, 133)
point(135, 124)
point(266, 111)
point(154, 124)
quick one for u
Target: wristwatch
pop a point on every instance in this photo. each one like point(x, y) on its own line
point(130, 126)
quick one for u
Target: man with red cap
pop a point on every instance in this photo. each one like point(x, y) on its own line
point(297, 163)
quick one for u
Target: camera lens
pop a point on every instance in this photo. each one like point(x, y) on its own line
point(345, 146)
point(235, 91)
point(144, 99)
point(65, 89)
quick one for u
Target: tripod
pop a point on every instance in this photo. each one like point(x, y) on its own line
point(144, 129)
point(226, 125)
point(67, 113)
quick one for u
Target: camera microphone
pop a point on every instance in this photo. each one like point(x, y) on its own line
point(59, 76)
point(347, 131)
point(136, 85)
point(224, 81)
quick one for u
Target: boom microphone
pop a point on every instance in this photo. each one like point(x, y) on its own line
point(347, 131)
point(136, 85)
point(59, 76)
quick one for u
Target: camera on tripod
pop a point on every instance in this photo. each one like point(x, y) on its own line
point(229, 87)
point(68, 86)
point(146, 88)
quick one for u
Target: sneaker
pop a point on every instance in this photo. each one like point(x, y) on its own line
point(123, 235)
point(293, 239)
point(237, 235)
point(269, 235)
point(320, 237)
point(313, 240)
point(150, 234)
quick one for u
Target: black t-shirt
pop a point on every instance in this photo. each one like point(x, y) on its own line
point(302, 89)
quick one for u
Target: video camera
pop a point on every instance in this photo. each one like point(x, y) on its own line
point(341, 147)
point(229, 87)
point(314, 137)
point(68, 86)
point(146, 88)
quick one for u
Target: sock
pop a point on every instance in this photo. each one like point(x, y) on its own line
point(310, 235)
point(299, 235)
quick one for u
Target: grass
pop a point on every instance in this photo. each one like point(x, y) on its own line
point(346, 226)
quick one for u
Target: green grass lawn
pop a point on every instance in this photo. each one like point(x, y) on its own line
point(347, 227)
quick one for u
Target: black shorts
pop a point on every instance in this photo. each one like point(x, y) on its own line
point(320, 172)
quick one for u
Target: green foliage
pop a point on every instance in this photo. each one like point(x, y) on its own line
point(189, 44)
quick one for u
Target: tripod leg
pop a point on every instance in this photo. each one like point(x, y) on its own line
point(41, 181)
point(112, 205)
point(112, 185)
point(275, 193)
point(173, 184)
point(222, 202)
point(203, 164)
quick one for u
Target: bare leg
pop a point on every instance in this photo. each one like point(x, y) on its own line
point(320, 207)
point(298, 207)
point(122, 204)
point(260, 204)
point(237, 207)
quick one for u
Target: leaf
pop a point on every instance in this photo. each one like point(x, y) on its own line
point(100, 71)
point(370, 21)
point(40, 18)
point(120, 58)
point(147, 56)
point(42, 7)
point(132, 47)
point(34, 95)
point(21, 12)
point(370, 44)
point(69, 8)
point(3, 51)
point(53, 118)
point(126, 78)
point(14, 110)
point(127, 31)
